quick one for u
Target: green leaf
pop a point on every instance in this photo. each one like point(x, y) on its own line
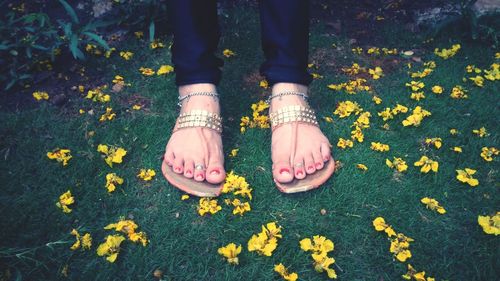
point(151, 31)
point(70, 11)
point(73, 47)
point(97, 38)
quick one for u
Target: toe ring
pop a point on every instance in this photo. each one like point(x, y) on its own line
point(199, 167)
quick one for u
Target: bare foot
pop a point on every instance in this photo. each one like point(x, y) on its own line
point(188, 147)
point(312, 148)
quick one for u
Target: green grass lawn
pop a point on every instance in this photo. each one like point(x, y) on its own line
point(183, 244)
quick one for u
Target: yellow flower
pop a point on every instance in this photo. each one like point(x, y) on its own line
point(344, 143)
point(481, 132)
point(380, 225)
point(237, 184)
point(126, 55)
point(164, 69)
point(85, 241)
point(490, 225)
point(437, 142)
point(417, 276)
point(265, 242)
point(415, 119)
point(258, 120)
point(283, 272)
point(264, 84)
point(493, 74)
point(61, 155)
point(65, 200)
point(316, 76)
point(427, 165)
point(112, 154)
point(234, 152)
point(146, 175)
point(346, 108)
point(377, 146)
point(112, 180)
point(328, 119)
point(433, 204)
point(228, 53)
point(139, 34)
point(97, 94)
point(357, 135)
point(319, 244)
point(207, 205)
point(230, 252)
point(111, 247)
point(128, 227)
point(399, 247)
point(417, 96)
point(447, 53)
point(465, 176)
point(40, 95)
point(184, 197)
point(487, 153)
point(239, 207)
point(322, 263)
point(156, 44)
point(421, 74)
point(415, 85)
point(146, 71)
point(437, 89)
point(376, 73)
point(136, 107)
point(362, 167)
point(377, 100)
point(458, 93)
point(453, 132)
point(478, 80)
point(108, 115)
point(457, 149)
point(397, 163)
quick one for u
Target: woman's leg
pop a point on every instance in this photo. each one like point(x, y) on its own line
point(196, 36)
point(285, 41)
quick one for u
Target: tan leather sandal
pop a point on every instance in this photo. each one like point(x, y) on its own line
point(293, 115)
point(197, 118)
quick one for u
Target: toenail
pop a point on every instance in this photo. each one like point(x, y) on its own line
point(318, 165)
point(215, 172)
point(327, 158)
point(177, 169)
point(188, 172)
point(309, 168)
point(284, 170)
point(300, 173)
point(200, 177)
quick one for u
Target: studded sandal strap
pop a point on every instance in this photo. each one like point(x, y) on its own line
point(199, 118)
point(293, 113)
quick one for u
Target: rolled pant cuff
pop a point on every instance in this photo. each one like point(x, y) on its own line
point(286, 75)
point(199, 77)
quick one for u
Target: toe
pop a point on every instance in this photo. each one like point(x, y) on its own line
point(169, 157)
point(317, 158)
point(309, 164)
point(298, 169)
point(215, 173)
point(188, 168)
point(199, 174)
point(178, 165)
point(325, 151)
point(282, 171)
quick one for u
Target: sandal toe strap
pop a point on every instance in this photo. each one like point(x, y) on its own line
point(293, 113)
point(199, 118)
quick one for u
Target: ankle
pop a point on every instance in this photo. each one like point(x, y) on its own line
point(285, 100)
point(207, 102)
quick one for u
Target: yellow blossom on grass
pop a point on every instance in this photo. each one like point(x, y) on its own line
point(111, 247)
point(417, 96)
point(40, 95)
point(239, 207)
point(362, 167)
point(344, 143)
point(427, 165)
point(319, 244)
point(481, 132)
point(230, 252)
point(357, 134)
point(466, 176)
point(207, 205)
point(400, 247)
point(258, 120)
point(487, 153)
point(490, 225)
point(265, 242)
point(415, 119)
point(264, 84)
point(156, 44)
point(457, 149)
point(228, 53)
point(458, 92)
point(138, 34)
point(237, 184)
point(112, 154)
point(61, 155)
point(98, 95)
point(493, 74)
point(184, 197)
point(415, 85)
point(164, 69)
point(397, 163)
point(328, 119)
point(346, 108)
point(129, 227)
point(433, 204)
point(283, 272)
point(65, 200)
point(377, 146)
point(146, 174)
point(234, 152)
point(85, 241)
point(453, 132)
point(478, 80)
point(421, 74)
point(380, 225)
point(437, 90)
point(322, 263)
point(417, 276)
point(437, 142)
point(112, 180)
point(126, 55)
point(136, 107)
point(146, 71)
point(316, 76)
point(377, 100)
point(447, 53)
point(108, 115)
point(376, 73)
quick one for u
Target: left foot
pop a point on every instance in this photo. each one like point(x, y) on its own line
point(312, 147)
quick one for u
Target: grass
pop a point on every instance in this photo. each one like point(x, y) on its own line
point(183, 244)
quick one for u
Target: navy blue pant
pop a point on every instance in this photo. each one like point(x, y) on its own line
point(284, 32)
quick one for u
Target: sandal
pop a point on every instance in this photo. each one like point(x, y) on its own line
point(197, 118)
point(293, 115)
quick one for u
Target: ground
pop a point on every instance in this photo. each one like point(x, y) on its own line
point(35, 239)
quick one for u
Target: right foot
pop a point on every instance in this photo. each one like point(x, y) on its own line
point(189, 147)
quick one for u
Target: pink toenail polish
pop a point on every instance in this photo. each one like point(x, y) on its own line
point(200, 177)
point(177, 169)
point(284, 170)
point(215, 172)
point(318, 165)
point(299, 173)
point(188, 172)
point(327, 158)
point(309, 168)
